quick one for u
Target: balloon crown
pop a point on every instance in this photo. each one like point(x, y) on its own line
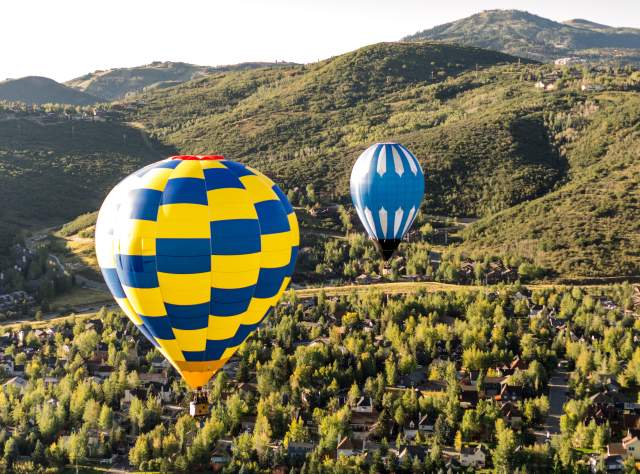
point(198, 157)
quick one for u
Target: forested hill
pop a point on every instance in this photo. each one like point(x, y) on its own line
point(112, 84)
point(42, 90)
point(541, 153)
point(524, 34)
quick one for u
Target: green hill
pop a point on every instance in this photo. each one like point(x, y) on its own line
point(42, 90)
point(113, 84)
point(51, 173)
point(550, 172)
point(531, 36)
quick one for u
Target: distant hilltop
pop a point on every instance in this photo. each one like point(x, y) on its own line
point(113, 84)
point(524, 34)
point(42, 90)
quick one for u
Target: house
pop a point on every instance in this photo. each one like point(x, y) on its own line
point(299, 450)
point(512, 393)
point(221, 455)
point(427, 423)
point(363, 405)
point(474, 456)
point(248, 423)
point(511, 414)
point(412, 452)
point(612, 464)
point(363, 425)
point(410, 429)
point(17, 382)
point(345, 447)
point(631, 445)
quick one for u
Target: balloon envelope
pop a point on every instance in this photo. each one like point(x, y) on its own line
point(387, 187)
point(197, 250)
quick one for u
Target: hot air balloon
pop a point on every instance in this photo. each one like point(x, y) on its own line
point(197, 250)
point(387, 187)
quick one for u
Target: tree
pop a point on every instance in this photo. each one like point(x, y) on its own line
point(10, 451)
point(503, 453)
point(261, 435)
point(297, 432)
point(105, 419)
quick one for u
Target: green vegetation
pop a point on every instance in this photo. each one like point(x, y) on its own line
point(527, 35)
point(50, 173)
point(41, 90)
point(438, 356)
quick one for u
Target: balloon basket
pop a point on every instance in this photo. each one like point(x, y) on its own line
point(199, 405)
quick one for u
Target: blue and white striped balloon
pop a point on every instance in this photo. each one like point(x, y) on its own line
point(387, 187)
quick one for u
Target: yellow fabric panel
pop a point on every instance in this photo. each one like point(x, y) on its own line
point(129, 311)
point(276, 259)
point(146, 301)
point(257, 309)
point(137, 237)
point(191, 339)
point(188, 169)
point(230, 203)
point(295, 230)
point(257, 188)
point(183, 221)
point(232, 280)
point(235, 263)
point(223, 327)
point(273, 242)
point(156, 178)
point(171, 349)
point(207, 164)
point(185, 289)
point(229, 351)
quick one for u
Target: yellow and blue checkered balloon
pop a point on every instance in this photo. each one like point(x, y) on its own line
point(197, 251)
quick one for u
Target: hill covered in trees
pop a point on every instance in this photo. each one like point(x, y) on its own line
point(524, 34)
point(42, 90)
point(112, 84)
point(542, 154)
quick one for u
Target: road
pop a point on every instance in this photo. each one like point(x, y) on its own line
point(558, 386)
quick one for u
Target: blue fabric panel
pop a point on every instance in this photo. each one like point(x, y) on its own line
point(292, 262)
point(148, 335)
point(144, 204)
point(113, 282)
point(183, 247)
point(136, 271)
point(283, 199)
point(270, 281)
point(187, 311)
point(185, 191)
point(232, 295)
point(219, 178)
point(235, 237)
point(272, 217)
point(158, 326)
point(187, 323)
point(184, 265)
point(238, 169)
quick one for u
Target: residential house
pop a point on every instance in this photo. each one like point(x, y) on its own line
point(17, 382)
point(473, 456)
point(427, 423)
point(631, 445)
point(363, 405)
point(410, 429)
point(346, 447)
point(511, 414)
point(299, 450)
point(221, 455)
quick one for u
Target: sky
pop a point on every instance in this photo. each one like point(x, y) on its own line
point(63, 39)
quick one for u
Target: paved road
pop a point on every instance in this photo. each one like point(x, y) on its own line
point(558, 386)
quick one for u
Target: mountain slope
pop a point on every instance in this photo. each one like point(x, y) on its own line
point(42, 90)
point(527, 35)
point(116, 83)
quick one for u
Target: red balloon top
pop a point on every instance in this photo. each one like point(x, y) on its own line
point(198, 157)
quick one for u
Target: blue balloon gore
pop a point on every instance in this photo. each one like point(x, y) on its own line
point(387, 187)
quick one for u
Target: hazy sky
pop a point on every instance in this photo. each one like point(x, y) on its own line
point(63, 39)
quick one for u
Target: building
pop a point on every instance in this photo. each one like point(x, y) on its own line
point(345, 447)
point(473, 456)
point(631, 445)
point(297, 450)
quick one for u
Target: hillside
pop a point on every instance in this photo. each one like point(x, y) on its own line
point(112, 84)
point(51, 173)
point(306, 124)
point(42, 90)
point(535, 165)
point(524, 34)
